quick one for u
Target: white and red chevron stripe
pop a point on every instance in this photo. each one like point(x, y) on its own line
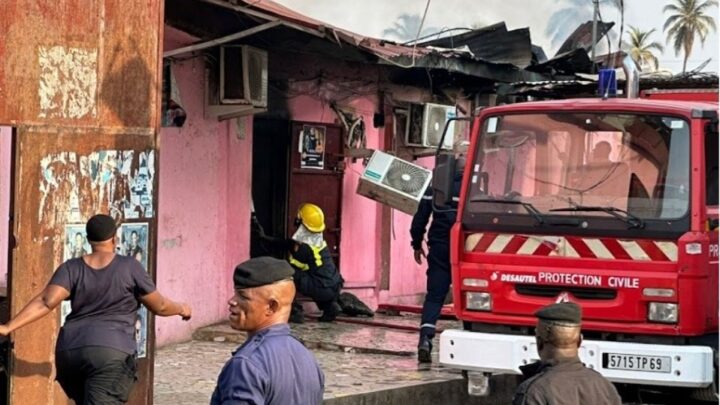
point(570, 246)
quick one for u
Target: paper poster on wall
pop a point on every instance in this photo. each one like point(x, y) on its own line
point(141, 332)
point(133, 241)
point(75, 246)
point(75, 187)
point(311, 146)
point(141, 187)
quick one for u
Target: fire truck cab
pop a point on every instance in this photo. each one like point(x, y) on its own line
point(609, 203)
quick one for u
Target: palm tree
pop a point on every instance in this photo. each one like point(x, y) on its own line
point(687, 21)
point(640, 47)
point(406, 28)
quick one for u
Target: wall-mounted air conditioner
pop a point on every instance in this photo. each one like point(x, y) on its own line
point(394, 182)
point(425, 125)
point(243, 75)
point(238, 86)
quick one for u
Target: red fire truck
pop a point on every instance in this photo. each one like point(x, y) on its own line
point(609, 203)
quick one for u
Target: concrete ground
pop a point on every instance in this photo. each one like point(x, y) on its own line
point(362, 364)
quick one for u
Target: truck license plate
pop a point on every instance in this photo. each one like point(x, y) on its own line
point(635, 362)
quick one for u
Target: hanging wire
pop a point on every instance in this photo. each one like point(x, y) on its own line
point(607, 36)
point(414, 51)
point(437, 34)
point(622, 23)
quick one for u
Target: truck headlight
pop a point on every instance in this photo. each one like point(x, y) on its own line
point(663, 312)
point(478, 301)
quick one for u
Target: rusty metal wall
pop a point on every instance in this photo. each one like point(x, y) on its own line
point(79, 79)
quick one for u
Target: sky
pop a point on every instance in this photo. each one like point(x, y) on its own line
point(371, 17)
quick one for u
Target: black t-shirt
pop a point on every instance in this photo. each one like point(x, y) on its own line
point(104, 303)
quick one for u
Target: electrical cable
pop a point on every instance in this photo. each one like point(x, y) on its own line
point(442, 31)
point(414, 52)
point(622, 23)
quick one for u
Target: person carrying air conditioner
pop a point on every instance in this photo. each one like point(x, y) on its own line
point(438, 257)
point(316, 275)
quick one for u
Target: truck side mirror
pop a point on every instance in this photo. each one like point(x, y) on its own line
point(443, 179)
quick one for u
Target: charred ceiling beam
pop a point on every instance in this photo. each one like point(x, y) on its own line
point(222, 40)
point(265, 16)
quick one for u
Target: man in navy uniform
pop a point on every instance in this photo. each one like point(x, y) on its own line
point(560, 377)
point(438, 257)
point(271, 367)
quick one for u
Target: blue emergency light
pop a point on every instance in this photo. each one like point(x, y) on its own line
point(607, 83)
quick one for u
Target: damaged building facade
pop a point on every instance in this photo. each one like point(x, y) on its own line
point(242, 82)
point(261, 109)
point(240, 156)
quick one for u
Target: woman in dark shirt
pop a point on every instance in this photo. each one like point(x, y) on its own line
point(95, 352)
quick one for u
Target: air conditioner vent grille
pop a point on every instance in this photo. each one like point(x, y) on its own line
point(406, 177)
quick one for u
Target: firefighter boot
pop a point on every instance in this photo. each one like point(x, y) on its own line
point(330, 312)
point(425, 345)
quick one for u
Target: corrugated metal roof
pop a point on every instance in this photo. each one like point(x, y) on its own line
point(451, 60)
point(493, 43)
point(382, 48)
point(373, 50)
point(582, 37)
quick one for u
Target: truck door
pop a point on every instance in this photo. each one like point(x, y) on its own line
point(711, 201)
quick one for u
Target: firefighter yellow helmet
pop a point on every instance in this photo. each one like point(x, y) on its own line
point(312, 217)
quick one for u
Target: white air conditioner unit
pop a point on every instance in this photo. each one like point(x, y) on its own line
point(394, 182)
point(426, 123)
point(243, 75)
point(240, 85)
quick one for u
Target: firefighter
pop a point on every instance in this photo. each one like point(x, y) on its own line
point(438, 258)
point(560, 377)
point(315, 275)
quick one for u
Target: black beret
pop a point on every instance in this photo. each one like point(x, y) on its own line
point(100, 228)
point(261, 271)
point(567, 313)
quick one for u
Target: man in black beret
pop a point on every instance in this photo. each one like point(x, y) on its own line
point(271, 367)
point(560, 377)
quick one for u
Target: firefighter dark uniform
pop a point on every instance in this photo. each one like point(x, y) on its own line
point(438, 259)
point(315, 273)
point(316, 277)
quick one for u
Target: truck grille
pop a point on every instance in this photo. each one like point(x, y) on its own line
point(578, 292)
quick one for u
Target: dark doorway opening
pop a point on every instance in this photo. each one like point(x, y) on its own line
point(271, 146)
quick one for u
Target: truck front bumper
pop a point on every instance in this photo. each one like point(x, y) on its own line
point(621, 362)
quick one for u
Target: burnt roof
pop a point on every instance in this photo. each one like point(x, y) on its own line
point(493, 43)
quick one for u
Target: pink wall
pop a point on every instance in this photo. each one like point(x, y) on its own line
point(205, 183)
point(361, 221)
point(204, 206)
point(5, 155)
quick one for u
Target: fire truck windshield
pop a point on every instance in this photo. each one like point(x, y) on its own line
point(584, 164)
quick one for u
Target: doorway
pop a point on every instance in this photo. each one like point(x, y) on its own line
point(295, 162)
point(271, 145)
point(316, 172)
